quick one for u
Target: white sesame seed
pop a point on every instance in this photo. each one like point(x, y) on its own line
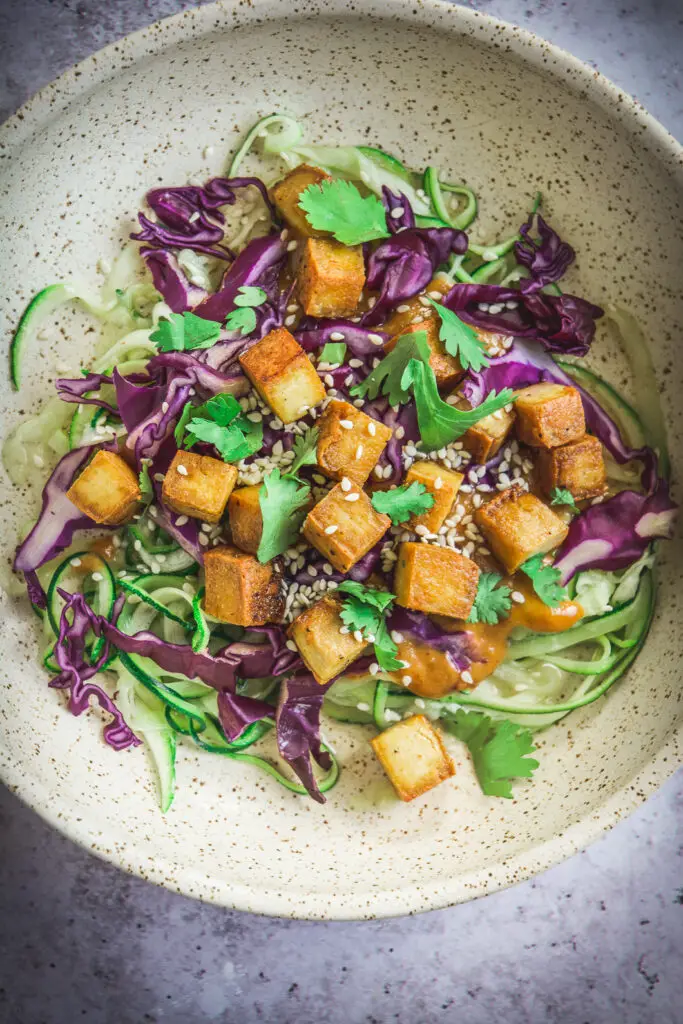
point(312, 571)
point(399, 433)
point(291, 646)
point(346, 424)
point(421, 530)
point(357, 635)
point(291, 246)
point(438, 483)
point(372, 429)
point(406, 680)
point(345, 484)
point(435, 295)
point(337, 336)
point(376, 339)
point(351, 497)
point(359, 451)
point(182, 470)
point(424, 301)
point(164, 406)
point(396, 636)
point(388, 471)
point(373, 669)
point(467, 677)
point(403, 308)
point(203, 540)
point(397, 212)
point(136, 544)
point(517, 597)
point(331, 529)
point(379, 472)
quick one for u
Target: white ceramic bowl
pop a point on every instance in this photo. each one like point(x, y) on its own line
point(500, 109)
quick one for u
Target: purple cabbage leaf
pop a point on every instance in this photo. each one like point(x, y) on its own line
point(297, 722)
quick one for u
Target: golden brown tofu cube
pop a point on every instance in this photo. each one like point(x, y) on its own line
point(435, 580)
point(549, 415)
point(349, 442)
point(325, 650)
point(578, 467)
point(344, 526)
point(485, 438)
point(447, 368)
point(198, 486)
point(517, 525)
point(240, 590)
point(413, 756)
point(331, 277)
point(283, 375)
point(286, 195)
point(244, 514)
point(442, 484)
point(107, 490)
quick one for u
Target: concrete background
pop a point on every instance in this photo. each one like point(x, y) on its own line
point(596, 940)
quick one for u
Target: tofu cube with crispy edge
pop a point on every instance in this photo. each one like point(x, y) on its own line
point(517, 525)
point(331, 277)
point(442, 484)
point(287, 193)
point(198, 486)
point(578, 467)
point(447, 368)
point(487, 437)
point(413, 756)
point(349, 442)
point(549, 415)
point(246, 521)
point(343, 526)
point(107, 490)
point(325, 650)
point(283, 375)
point(240, 590)
point(435, 580)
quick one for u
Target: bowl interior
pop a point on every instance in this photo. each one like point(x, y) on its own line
point(491, 108)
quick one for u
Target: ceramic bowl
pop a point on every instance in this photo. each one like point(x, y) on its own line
point(492, 105)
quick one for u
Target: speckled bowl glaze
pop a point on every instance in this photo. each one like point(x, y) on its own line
point(509, 114)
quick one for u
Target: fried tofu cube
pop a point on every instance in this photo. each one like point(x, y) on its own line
point(107, 491)
point(240, 590)
point(349, 442)
point(331, 277)
point(413, 756)
point(198, 486)
point(287, 193)
point(435, 580)
point(442, 484)
point(517, 525)
point(578, 467)
point(283, 375)
point(549, 415)
point(487, 437)
point(343, 526)
point(325, 651)
point(244, 515)
point(447, 368)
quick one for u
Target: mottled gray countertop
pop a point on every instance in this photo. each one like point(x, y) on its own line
point(597, 940)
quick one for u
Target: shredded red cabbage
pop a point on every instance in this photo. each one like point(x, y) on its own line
point(457, 647)
point(546, 260)
point(297, 722)
point(76, 389)
point(312, 334)
point(171, 281)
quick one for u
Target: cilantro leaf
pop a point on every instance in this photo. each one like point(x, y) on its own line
point(366, 609)
point(250, 295)
point(182, 332)
point(185, 415)
point(338, 207)
point(146, 489)
point(460, 340)
point(221, 422)
point(283, 503)
point(561, 496)
point(439, 422)
point(492, 602)
point(388, 376)
point(305, 450)
point(333, 352)
point(499, 750)
point(545, 580)
point(243, 320)
point(401, 503)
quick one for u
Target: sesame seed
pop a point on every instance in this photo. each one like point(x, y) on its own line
point(203, 540)
point(336, 336)
point(435, 295)
point(346, 424)
point(291, 246)
point(388, 471)
point(396, 636)
point(438, 483)
point(345, 484)
point(159, 477)
point(363, 707)
point(38, 461)
point(357, 635)
point(76, 561)
point(164, 406)
point(329, 380)
point(397, 212)
point(421, 530)
point(137, 545)
point(182, 470)
point(399, 433)
point(406, 680)
point(351, 497)
point(517, 597)
point(359, 451)
point(424, 301)
point(97, 576)
point(373, 669)
point(379, 472)
point(376, 339)
point(372, 429)
point(312, 571)
point(284, 235)
point(291, 646)
point(403, 308)
point(467, 677)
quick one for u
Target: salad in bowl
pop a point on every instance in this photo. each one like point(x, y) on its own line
point(337, 460)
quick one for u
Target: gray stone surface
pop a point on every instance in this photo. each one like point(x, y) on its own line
point(596, 940)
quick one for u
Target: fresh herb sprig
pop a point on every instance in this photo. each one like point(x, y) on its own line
point(339, 208)
point(492, 602)
point(387, 376)
point(499, 750)
point(222, 423)
point(243, 317)
point(545, 580)
point(400, 503)
point(184, 332)
point(365, 610)
point(460, 340)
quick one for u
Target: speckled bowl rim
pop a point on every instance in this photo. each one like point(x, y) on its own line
point(224, 14)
